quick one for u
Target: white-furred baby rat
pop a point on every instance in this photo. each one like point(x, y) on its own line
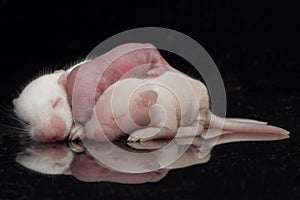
point(44, 107)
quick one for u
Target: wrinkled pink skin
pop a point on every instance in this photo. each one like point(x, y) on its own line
point(86, 82)
point(85, 168)
point(182, 117)
point(110, 120)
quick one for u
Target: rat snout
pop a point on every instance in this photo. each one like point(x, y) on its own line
point(58, 125)
point(54, 131)
point(48, 136)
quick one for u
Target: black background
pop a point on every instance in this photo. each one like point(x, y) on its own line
point(255, 46)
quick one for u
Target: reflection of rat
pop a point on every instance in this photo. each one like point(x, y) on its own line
point(85, 165)
point(47, 158)
point(56, 158)
point(45, 104)
point(86, 168)
point(161, 107)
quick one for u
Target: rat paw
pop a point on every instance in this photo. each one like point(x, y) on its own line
point(76, 132)
point(133, 139)
point(136, 139)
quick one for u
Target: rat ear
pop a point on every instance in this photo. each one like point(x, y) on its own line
point(146, 98)
point(62, 80)
point(15, 102)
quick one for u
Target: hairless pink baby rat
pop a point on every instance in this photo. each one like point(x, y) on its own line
point(160, 108)
point(45, 104)
point(87, 82)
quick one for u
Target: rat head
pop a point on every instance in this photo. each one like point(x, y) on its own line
point(44, 107)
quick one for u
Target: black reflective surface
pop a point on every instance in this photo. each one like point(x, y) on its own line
point(256, 48)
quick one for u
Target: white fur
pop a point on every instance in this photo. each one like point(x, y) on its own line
point(34, 103)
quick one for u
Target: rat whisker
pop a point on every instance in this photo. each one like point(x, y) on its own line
point(12, 127)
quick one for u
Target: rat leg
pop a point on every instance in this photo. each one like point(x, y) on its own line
point(150, 133)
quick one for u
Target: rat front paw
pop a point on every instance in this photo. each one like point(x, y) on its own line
point(137, 139)
point(76, 132)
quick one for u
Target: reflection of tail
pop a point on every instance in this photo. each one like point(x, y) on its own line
point(243, 126)
point(246, 137)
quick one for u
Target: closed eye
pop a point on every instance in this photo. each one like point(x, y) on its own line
point(57, 164)
point(56, 102)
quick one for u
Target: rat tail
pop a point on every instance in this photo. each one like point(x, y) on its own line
point(235, 125)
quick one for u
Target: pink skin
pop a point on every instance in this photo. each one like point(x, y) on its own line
point(145, 120)
point(138, 61)
point(103, 116)
point(93, 77)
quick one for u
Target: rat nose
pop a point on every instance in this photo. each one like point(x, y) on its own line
point(55, 131)
point(48, 136)
point(58, 125)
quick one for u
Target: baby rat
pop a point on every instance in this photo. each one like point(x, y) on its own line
point(160, 108)
point(45, 104)
point(69, 96)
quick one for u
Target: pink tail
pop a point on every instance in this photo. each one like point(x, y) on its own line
point(243, 126)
